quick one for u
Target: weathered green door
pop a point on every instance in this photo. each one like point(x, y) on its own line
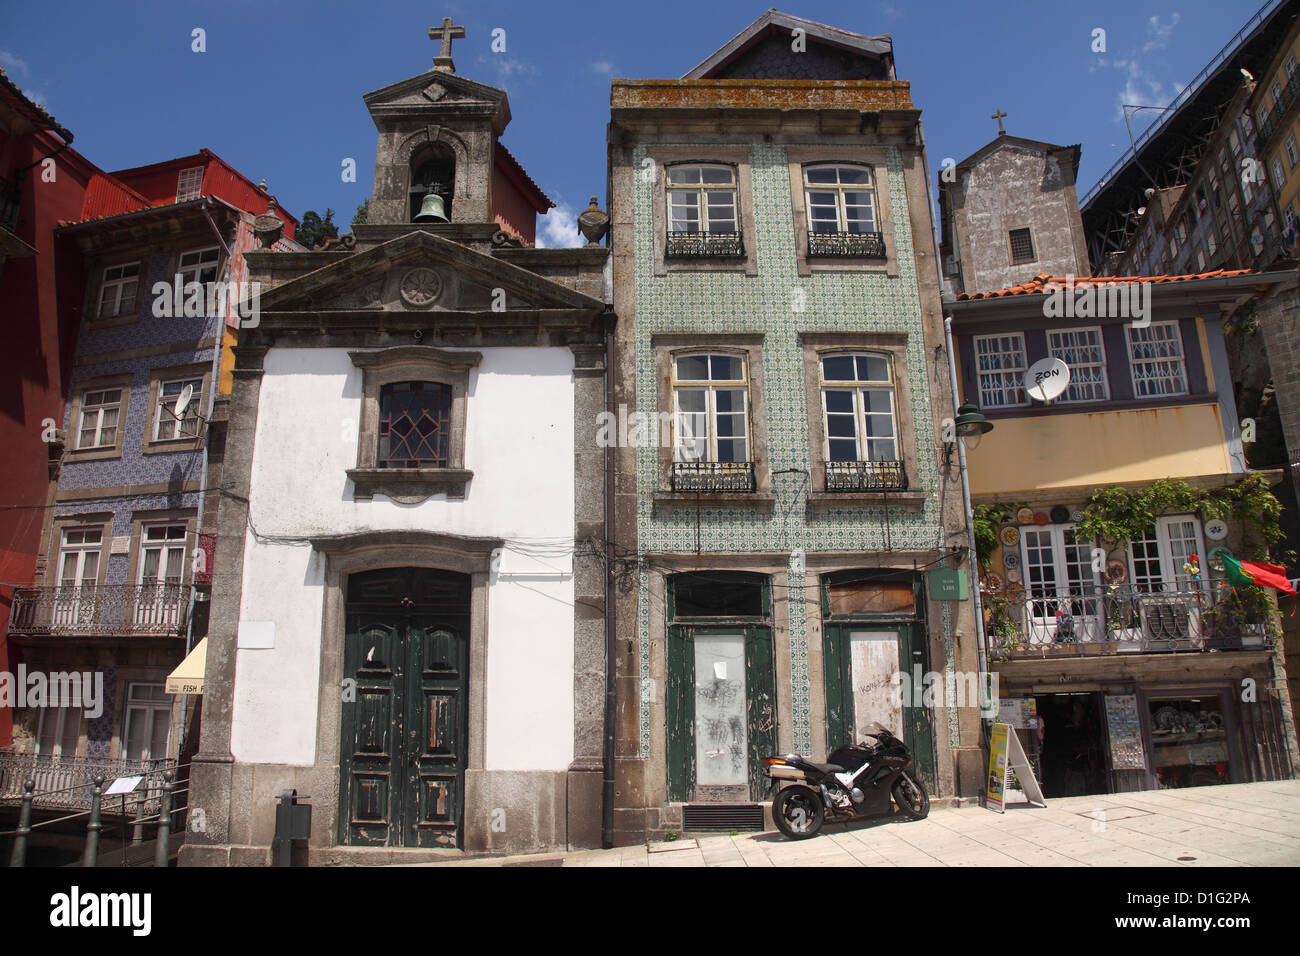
point(721, 709)
point(403, 748)
point(861, 661)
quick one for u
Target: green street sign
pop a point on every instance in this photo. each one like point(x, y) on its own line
point(948, 584)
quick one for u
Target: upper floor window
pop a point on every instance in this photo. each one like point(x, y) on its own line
point(1001, 366)
point(1022, 246)
point(1083, 351)
point(1275, 91)
point(840, 201)
point(167, 424)
point(703, 219)
point(189, 184)
point(1158, 556)
point(79, 557)
point(1292, 153)
point(199, 266)
point(414, 425)
point(1279, 177)
point(1156, 359)
point(58, 731)
point(860, 421)
point(1289, 65)
point(710, 408)
point(117, 293)
point(99, 418)
point(148, 722)
point(162, 553)
point(1234, 141)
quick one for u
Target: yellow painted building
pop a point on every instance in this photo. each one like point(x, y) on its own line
point(1275, 107)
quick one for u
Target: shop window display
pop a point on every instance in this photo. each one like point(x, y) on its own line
point(1189, 741)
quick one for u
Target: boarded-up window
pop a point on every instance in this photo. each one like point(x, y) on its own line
point(872, 597)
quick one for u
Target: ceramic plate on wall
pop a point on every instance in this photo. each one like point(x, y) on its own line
point(1025, 515)
point(1010, 535)
point(1013, 575)
point(1011, 560)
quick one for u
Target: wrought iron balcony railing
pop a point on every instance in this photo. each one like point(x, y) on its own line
point(1122, 620)
point(866, 476)
point(65, 783)
point(710, 476)
point(705, 245)
point(150, 610)
point(1273, 122)
point(846, 245)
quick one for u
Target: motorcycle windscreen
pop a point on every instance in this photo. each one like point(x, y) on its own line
point(721, 738)
point(876, 679)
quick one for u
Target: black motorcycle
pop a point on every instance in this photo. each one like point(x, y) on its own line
point(857, 781)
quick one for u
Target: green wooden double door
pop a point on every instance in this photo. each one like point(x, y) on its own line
point(404, 721)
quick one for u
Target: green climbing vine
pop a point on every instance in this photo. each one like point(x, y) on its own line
point(987, 520)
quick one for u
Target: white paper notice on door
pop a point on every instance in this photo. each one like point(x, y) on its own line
point(875, 680)
point(721, 732)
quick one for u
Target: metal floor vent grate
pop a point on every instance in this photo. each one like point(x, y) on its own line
point(723, 816)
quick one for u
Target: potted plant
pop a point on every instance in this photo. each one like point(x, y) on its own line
point(1123, 624)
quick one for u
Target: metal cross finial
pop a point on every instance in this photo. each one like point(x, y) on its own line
point(999, 115)
point(446, 33)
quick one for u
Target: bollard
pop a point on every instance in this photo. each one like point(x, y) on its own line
point(94, 826)
point(137, 828)
point(162, 844)
point(19, 855)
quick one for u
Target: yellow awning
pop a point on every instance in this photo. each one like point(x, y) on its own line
point(188, 676)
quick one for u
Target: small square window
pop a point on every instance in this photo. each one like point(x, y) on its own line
point(1001, 366)
point(1022, 246)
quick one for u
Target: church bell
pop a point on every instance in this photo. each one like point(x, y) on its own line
point(432, 210)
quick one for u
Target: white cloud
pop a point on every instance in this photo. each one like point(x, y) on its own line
point(13, 64)
point(1158, 33)
point(560, 229)
point(507, 68)
point(1141, 88)
point(890, 12)
point(37, 97)
point(603, 67)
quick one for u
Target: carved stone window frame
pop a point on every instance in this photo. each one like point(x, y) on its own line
point(876, 161)
point(411, 363)
point(740, 160)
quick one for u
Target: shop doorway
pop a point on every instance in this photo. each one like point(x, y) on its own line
point(1073, 748)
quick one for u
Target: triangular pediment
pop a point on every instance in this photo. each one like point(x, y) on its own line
point(766, 50)
point(425, 273)
point(440, 93)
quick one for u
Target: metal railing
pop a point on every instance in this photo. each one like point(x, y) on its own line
point(862, 245)
point(707, 476)
point(1273, 121)
point(705, 245)
point(60, 781)
point(866, 476)
point(111, 610)
point(1119, 620)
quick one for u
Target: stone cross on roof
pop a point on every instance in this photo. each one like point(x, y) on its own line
point(446, 33)
point(999, 115)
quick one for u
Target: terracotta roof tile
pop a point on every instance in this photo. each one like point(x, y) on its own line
point(1037, 285)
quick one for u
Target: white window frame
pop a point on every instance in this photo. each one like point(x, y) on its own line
point(115, 281)
point(1081, 601)
point(1134, 360)
point(192, 265)
point(843, 222)
point(1292, 152)
point(1069, 355)
point(189, 184)
point(159, 598)
point(857, 387)
point(710, 387)
point(165, 421)
point(145, 707)
point(67, 719)
point(702, 204)
point(98, 410)
point(74, 597)
point(1172, 576)
point(1018, 371)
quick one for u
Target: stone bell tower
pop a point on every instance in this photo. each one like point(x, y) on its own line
point(437, 136)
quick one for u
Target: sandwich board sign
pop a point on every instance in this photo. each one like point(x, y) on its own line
point(1006, 755)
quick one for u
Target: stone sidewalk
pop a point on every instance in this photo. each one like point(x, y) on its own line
point(1254, 824)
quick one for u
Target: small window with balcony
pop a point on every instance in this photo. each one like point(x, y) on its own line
point(1022, 246)
point(843, 219)
point(161, 571)
point(1001, 365)
point(1156, 360)
point(703, 217)
point(860, 423)
point(117, 293)
point(414, 425)
point(148, 723)
point(1083, 351)
point(711, 424)
point(58, 732)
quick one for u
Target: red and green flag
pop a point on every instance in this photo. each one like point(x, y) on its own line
point(1257, 573)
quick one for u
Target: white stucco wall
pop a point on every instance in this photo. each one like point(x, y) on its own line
point(519, 444)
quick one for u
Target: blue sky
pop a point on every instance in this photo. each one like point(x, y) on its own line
point(278, 91)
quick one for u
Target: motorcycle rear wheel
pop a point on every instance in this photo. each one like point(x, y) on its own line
point(910, 795)
point(797, 812)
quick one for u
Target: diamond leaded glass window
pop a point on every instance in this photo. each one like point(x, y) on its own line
point(414, 425)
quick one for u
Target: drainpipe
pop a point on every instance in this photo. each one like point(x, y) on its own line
point(611, 642)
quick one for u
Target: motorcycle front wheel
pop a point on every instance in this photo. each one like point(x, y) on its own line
point(797, 812)
point(910, 795)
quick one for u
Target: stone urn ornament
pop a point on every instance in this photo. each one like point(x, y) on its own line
point(593, 224)
point(268, 227)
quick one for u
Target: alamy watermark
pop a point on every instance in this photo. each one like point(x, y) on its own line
point(1093, 300)
point(84, 689)
point(195, 300)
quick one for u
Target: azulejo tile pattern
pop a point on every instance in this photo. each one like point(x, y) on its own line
point(711, 302)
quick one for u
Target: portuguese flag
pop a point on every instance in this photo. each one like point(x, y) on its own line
point(1258, 573)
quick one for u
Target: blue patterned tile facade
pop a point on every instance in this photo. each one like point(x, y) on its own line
point(728, 302)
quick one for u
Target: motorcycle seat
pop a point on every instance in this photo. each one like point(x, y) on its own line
point(827, 767)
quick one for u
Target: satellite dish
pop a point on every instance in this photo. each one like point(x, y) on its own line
point(1046, 379)
point(183, 401)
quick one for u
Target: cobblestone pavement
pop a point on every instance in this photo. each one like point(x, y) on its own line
point(1254, 824)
